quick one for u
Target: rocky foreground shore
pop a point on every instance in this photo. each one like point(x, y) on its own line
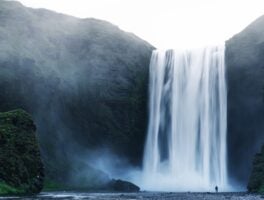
point(143, 195)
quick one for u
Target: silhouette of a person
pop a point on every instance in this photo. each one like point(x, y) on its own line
point(216, 189)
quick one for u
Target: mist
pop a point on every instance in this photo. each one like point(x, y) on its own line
point(85, 82)
point(71, 75)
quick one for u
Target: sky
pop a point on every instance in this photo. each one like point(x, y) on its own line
point(166, 23)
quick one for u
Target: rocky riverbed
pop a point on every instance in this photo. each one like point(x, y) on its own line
point(141, 195)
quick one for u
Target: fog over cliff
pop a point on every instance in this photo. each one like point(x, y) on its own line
point(85, 82)
point(245, 72)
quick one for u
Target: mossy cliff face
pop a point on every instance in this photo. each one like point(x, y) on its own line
point(245, 72)
point(256, 181)
point(21, 169)
point(84, 81)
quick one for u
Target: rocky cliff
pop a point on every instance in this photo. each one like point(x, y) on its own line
point(83, 80)
point(245, 77)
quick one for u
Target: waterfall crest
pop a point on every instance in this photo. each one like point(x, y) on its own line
point(186, 142)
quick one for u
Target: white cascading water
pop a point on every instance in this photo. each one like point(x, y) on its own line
point(186, 143)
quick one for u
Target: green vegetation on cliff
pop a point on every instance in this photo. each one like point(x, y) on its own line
point(21, 169)
point(9, 190)
point(85, 82)
point(256, 181)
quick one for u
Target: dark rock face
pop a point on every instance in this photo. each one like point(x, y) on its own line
point(256, 180)
point(245, 77)
point(123, 186)
point(20, 163)
point(83, 80)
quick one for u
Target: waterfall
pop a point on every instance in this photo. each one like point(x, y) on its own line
point(186, 143)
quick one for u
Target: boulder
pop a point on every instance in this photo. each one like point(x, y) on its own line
point(122, 186)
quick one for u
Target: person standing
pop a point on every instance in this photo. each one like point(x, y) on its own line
point(216, 188)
